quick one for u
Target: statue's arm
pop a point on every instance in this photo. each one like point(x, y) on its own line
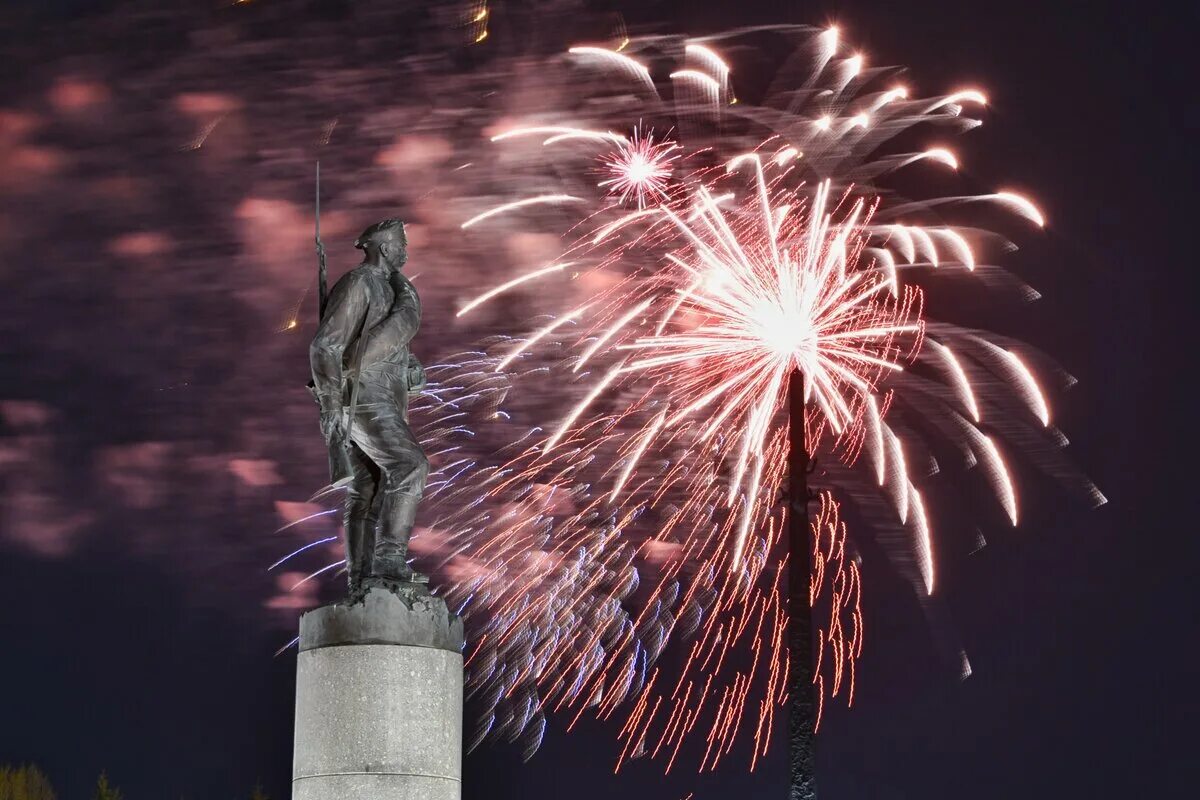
point(344, 315)
point(405, 313)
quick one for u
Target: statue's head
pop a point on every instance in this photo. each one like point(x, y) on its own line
point(386, 238)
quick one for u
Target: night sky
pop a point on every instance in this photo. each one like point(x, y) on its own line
point(137, 633)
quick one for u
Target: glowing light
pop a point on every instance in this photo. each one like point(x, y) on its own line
point(967, 96)
point(773, 308)
point(710, 58)
point(953, 100)
point(942, 156)
point(613, 57)
point(704, 80)
point(624, 320)
point(595, 136)
point(960, 378)
point(579, 409)
point(644, 442)
point(1021, 205)
point(538, 336)
point(530, 201)
point(785, 155)
point(559, 132)
point(924, 539)
point(640, 169)
point(1032, 391)
point(958, 244)
point(701, 290)
point(517, 281)
point(1008, 494)
point(829, 39)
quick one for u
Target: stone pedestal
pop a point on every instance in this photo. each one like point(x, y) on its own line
point(379, 699)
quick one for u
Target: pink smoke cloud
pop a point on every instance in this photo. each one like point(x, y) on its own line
point(291, 594)
point(255, 472)
point(75, 95)
point(141, 244)
point(206, 104)
point(133, 472)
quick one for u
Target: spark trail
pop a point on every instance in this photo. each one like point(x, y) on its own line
point(634, 506)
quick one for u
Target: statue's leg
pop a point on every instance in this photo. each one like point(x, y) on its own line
point(363, 501)
point(371, 532)
point(405, 473)
point(382, 433)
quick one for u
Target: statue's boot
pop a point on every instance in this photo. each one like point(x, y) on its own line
point(360, 549)
point(390, 559)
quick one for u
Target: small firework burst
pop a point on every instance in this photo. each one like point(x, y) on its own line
point(639, 169)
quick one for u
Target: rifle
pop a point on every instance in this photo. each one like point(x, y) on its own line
point(339, 459)
point(322, 272)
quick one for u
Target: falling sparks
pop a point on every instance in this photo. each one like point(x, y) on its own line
point(733, 278)
point(546, 199)
point(940, 155)
point(476, 21)
point(639, 511)
point(504, 287)
point(1022, 205)
point(768, 308)
point(628, 64)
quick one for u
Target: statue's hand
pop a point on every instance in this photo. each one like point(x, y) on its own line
point(333, 426)
point(333, 422)
point(415, 374)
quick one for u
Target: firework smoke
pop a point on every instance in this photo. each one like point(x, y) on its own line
point(578, 564)
point(666, 459)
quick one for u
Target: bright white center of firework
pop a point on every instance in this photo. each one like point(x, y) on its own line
point(715, 282)
point(639, 169)
point(785, 332)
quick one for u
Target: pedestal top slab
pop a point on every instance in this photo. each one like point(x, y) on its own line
point(407, 615)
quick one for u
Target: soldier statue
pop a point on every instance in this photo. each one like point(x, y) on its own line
point(362, 374)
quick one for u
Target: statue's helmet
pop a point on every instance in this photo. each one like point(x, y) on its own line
point(390, 230)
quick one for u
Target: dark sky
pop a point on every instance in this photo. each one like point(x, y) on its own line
point(1077, 623)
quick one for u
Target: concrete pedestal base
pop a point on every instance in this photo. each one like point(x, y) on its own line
point(379, 700)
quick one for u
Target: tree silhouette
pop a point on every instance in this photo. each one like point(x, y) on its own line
point(105, 790)
point(25, 783)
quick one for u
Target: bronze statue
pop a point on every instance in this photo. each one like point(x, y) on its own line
point(363, 371)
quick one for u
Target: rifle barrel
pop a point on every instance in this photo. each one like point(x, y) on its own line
point(322, 272)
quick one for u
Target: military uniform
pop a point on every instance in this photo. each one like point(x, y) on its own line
point(361, 363)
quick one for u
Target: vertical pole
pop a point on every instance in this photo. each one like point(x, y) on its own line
point(802, 711)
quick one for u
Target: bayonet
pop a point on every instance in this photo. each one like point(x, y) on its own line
point(322, 272)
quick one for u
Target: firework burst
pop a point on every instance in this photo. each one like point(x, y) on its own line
point(673, 452)
point(764, 290)
point(745, 284)
point(635, 506)
point(640, 169)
